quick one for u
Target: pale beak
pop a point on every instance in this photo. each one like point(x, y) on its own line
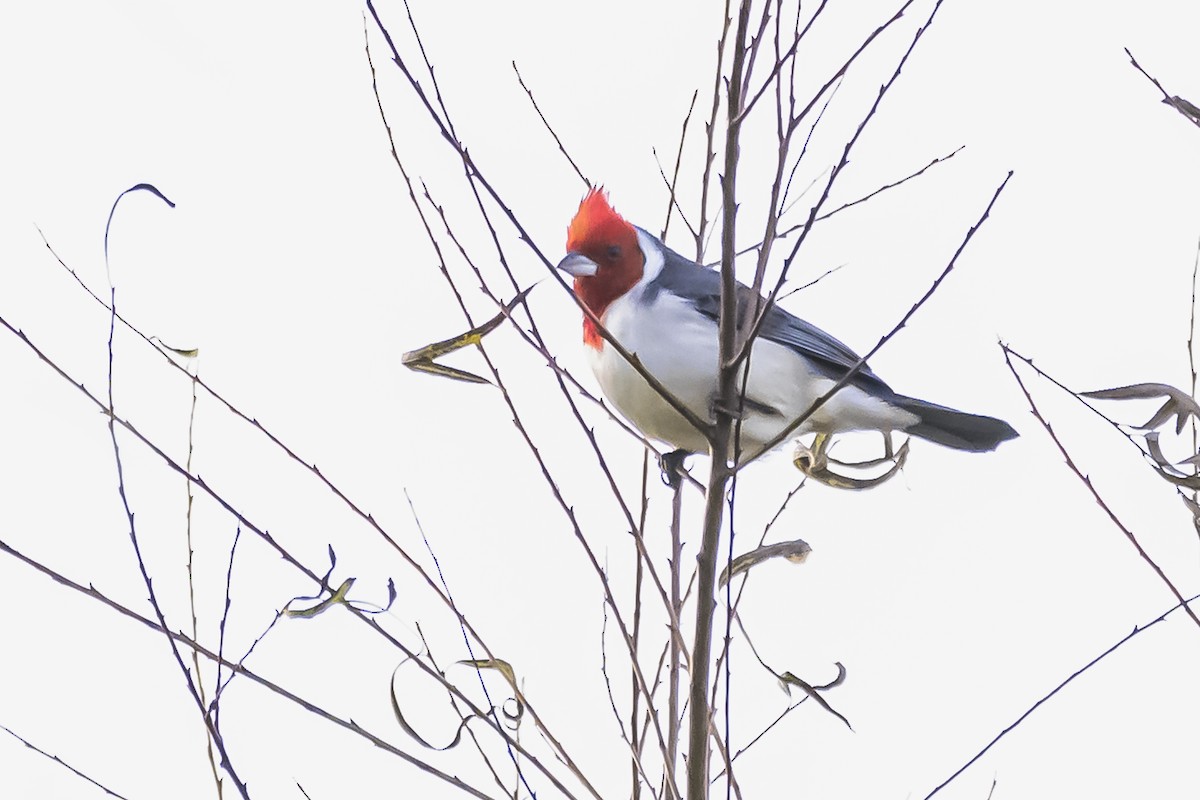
point(578, 265)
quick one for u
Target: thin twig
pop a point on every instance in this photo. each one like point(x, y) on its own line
point(191, 581)
point(464, 716)
point(672, 202)
point(1137, 629)
point(1189, 111)
point(267, 538)
point(1087, 481)
point(61, 763)
point(710, 128)
point(561, 148)
point(474, 175)
point(476, 180)
point(179, 638)
point(845, 379)
point(216, 704)
point(786, 58)
point(567, 509)
point(674, 714)
point(189, 680)
point(262, 429)
point(635, 747)
point(1191, 349)
point(437, 565)
point(748, 340)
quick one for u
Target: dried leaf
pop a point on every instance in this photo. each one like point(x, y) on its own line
point(1181, 105)
point(422, 359)
point(1191, 504)
point(1165, 468)
point(795, 551)
point(498, 664)
point(1194, 508)
point(815, 462)
point(412, 731)
point(787, 679)
point(336, 598)
point(1179, 404)
point(811, 459)
point(505, 669)
point(189, 352)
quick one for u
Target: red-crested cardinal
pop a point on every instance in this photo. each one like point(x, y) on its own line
point(663, 308)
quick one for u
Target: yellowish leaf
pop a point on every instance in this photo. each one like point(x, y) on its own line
point(422, 359)
point(336, 598)
point(795, 551)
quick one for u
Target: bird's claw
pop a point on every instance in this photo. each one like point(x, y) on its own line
point(671, 465)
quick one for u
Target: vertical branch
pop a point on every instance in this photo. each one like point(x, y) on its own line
point(216, 701)
point(634, 740)
point(213, 734)
point(191, 579)
point(722, 435)
point(710, 129)
point(673, 711)
point(672, 202)
point(1191, 349)
point(726, 647)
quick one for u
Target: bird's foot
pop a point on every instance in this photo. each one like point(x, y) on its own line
point(671, 465)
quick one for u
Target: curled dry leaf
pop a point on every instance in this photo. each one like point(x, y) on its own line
point(341, 596)
point(412, 731)
point(788, 680)
point(795, 551)
point(185, 352)
point(811, 459)
point(498, 664)
point(505, 669)
point(814, 462)
point(1179, 404)
point(1165, 468)
point(501, 666)
point(422, 359)
point(1184, 107)
point(1194, 508)
point(334, 599)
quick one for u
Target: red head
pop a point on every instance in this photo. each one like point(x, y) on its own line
point(604, 257)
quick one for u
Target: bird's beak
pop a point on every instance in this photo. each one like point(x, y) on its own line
point(578, 265)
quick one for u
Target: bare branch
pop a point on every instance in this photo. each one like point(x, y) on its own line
point(1009, 353)
point(845, 379)
point(727, 401)
point(61, 763)
point(1137, 629)
point(672, 202)
point(179, 638)
point(561, 148)
point(1190, 112)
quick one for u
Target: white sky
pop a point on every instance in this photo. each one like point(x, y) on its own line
point(956, 595)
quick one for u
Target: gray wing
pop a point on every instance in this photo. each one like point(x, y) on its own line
point(703, 287)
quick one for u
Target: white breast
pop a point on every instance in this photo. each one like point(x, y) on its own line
point(678, 346)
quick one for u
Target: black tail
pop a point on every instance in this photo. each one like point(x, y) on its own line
point(956, 429)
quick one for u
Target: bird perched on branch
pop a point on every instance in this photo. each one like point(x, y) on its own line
point(663, 309)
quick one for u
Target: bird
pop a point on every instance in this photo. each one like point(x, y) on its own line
point(663, 308)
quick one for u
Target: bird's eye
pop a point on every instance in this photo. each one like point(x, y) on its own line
point(614, 252)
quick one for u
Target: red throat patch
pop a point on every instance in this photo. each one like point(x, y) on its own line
point(603, 235)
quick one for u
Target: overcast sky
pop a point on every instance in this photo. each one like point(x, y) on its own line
point(956, 595)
